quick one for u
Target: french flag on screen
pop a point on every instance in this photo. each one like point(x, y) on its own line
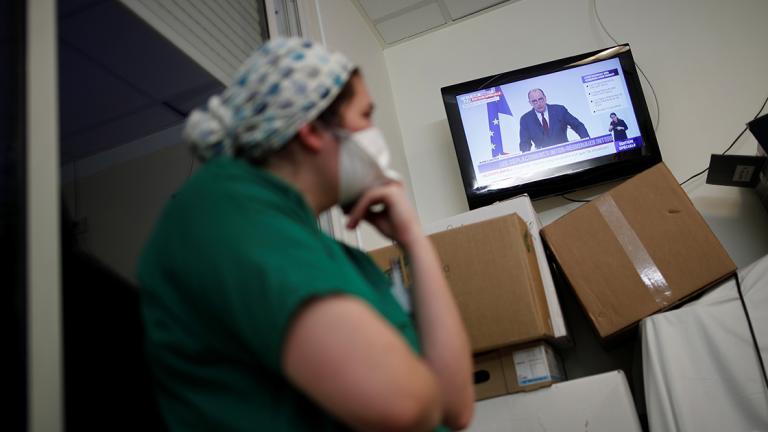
point(494, 123)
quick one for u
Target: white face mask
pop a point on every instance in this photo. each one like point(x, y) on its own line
point(363, 163)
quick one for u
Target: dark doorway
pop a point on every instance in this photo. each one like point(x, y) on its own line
point(13, 316)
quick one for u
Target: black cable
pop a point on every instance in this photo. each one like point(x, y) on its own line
point(733, 143)
point(656, 99)
point(653, 90)
point(695, 175)
point(736, 275)
point(737, 138)
point(751, 331)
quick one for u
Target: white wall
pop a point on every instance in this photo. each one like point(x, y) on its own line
point(687, 54)
point(346, 31)
point(122, 197)
point(705, 58)
point(44, 374)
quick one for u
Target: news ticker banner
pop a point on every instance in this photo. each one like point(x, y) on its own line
point(574, 147)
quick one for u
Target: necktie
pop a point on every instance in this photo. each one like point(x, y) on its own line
point(545, 124)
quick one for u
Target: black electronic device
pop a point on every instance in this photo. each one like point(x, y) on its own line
point(735, 170)
point(759, 128)
point(596, 127)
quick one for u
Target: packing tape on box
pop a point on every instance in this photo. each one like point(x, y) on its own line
point(633, 247)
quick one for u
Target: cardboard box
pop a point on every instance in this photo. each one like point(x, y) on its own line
point(391, 260)
point(386, 256)
point(531, 367)
point(635, 250)
point(517, 369)
point(492, 271)
point(598, 403)
point(488, 374)
point(522, 206)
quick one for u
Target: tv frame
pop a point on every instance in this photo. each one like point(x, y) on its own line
point(588, 173)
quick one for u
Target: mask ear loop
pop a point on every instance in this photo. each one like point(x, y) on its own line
point(338, 133)
point(341, 134)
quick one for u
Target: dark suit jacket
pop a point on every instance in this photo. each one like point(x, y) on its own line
point(619, 135)
point(559, 119)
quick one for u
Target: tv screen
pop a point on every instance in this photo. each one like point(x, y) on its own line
point(551, 128)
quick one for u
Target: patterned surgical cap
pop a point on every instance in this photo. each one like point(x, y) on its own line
point(285, 84)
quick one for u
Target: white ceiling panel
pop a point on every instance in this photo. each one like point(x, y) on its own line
point(397, 20)
point(218, 35)
point(377, 9)
point(91, 94)
point(118, 132)
point(123, 44)
point(119, 79)
point(461, 8)
point(412, 23)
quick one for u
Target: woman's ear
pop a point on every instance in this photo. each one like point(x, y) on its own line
point(313, 136)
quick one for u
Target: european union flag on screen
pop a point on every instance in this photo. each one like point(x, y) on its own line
point(494, 124)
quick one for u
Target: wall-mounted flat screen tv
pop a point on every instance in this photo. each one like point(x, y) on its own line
point(551, 128)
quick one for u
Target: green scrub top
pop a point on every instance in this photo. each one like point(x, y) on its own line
point(234, 256)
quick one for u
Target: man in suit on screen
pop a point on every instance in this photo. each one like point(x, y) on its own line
point(547, 124)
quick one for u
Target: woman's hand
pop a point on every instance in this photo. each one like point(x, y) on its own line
point(388, 209)
point(444, 340)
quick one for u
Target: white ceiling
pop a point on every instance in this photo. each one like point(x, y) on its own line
point(397, 20)
point(218, 35)
point(129, 69)
point(119, 80)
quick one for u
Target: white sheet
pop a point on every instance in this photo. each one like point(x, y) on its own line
point(699, 363)
point(598, 403)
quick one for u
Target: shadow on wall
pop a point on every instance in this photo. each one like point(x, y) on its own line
point(118, 207)
point(107, 382)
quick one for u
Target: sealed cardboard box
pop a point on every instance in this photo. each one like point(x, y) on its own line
point(636, 250)
point(492, 270)
point(515, 369)
point(524, 208)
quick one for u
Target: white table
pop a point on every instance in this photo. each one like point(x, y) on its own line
point(598, 403)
